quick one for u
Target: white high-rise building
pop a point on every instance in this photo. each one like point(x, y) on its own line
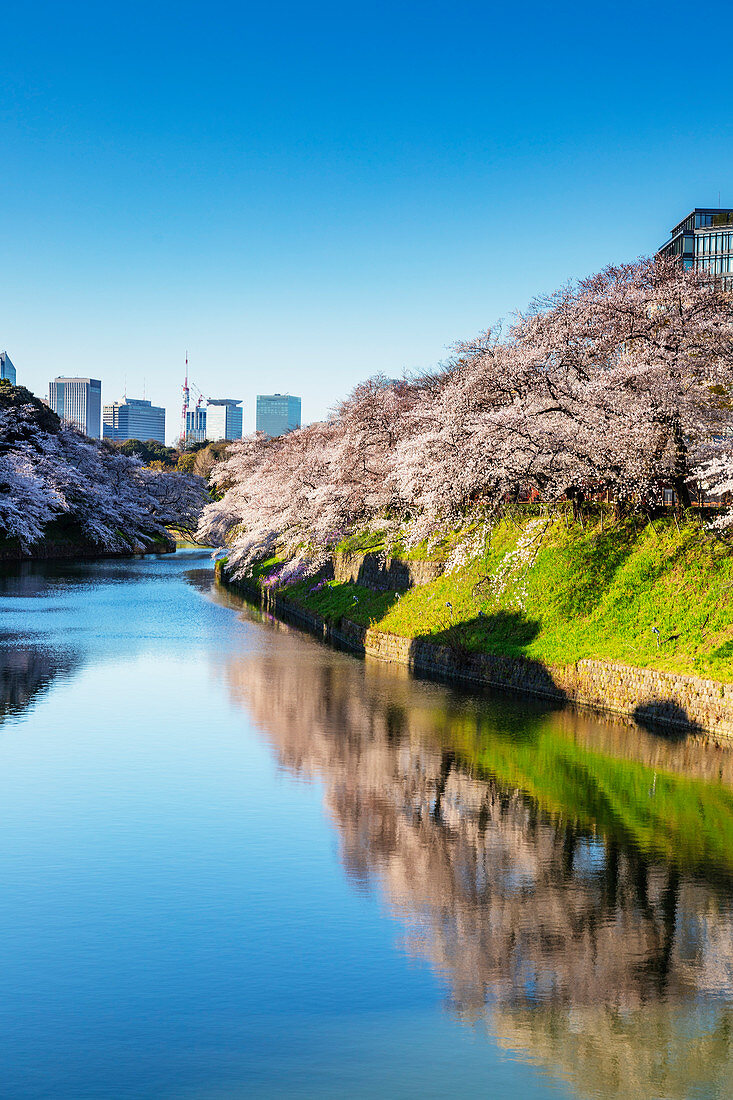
point(223, 419)
point(78, 402)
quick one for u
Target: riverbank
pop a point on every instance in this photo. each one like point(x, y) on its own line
point(631, 617)
point(67, 544)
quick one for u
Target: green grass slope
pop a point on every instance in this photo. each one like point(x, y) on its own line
point(655, 595)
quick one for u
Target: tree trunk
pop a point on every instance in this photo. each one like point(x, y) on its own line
point(680, 470)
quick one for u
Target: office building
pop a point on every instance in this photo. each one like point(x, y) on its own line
point(277, 413)
point(196, 425)
point(134, 419)
point(7, 370)
point(704, 240)
point(223, 419)
point(78, 402)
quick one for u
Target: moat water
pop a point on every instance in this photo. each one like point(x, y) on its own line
point(236, 863)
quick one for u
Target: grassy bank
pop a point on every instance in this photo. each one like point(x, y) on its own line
point(683, 819)
point(655, 595)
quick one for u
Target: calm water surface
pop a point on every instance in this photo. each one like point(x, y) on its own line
point(235, 863)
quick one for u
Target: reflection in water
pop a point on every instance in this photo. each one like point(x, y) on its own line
point(569, 878)
point(27, 672)
point(58, 616)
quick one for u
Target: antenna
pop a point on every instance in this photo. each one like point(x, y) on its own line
point(184, 410)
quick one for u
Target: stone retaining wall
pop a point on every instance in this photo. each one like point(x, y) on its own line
point(63, 549)
point(650, 696)
point(383, 574)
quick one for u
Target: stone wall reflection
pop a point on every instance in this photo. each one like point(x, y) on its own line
point(571, 946)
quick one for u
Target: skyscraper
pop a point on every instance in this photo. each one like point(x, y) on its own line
point(277, 413)
point(78, 402)
point(7, 370)
point(196, 425)
point(134, 419)
point(223, 419)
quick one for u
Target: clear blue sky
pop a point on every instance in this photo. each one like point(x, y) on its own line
point(303, 194)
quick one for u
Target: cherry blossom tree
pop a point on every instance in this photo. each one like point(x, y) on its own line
point(715, 476)
point(616, 385)
point(111, 499)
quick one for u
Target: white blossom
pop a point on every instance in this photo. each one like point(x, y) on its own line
point(614, 386)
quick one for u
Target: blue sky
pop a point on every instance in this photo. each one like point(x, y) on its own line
point(304, 194)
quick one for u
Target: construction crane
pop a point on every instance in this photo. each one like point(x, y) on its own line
point(201, 396)
point(187, 406)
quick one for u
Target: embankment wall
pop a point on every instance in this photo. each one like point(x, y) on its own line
point(650, 696)
point(53, 549)
point(383, 574)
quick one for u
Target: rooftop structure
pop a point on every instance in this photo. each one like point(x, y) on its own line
point(134, 419)
point(277, 413)
point(7, 370)
point(78, 402)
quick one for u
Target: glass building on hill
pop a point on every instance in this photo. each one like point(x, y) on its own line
point(78, 403)
point(7, 370)
point(704, 240)
point(134, 419)
point(277, 413)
